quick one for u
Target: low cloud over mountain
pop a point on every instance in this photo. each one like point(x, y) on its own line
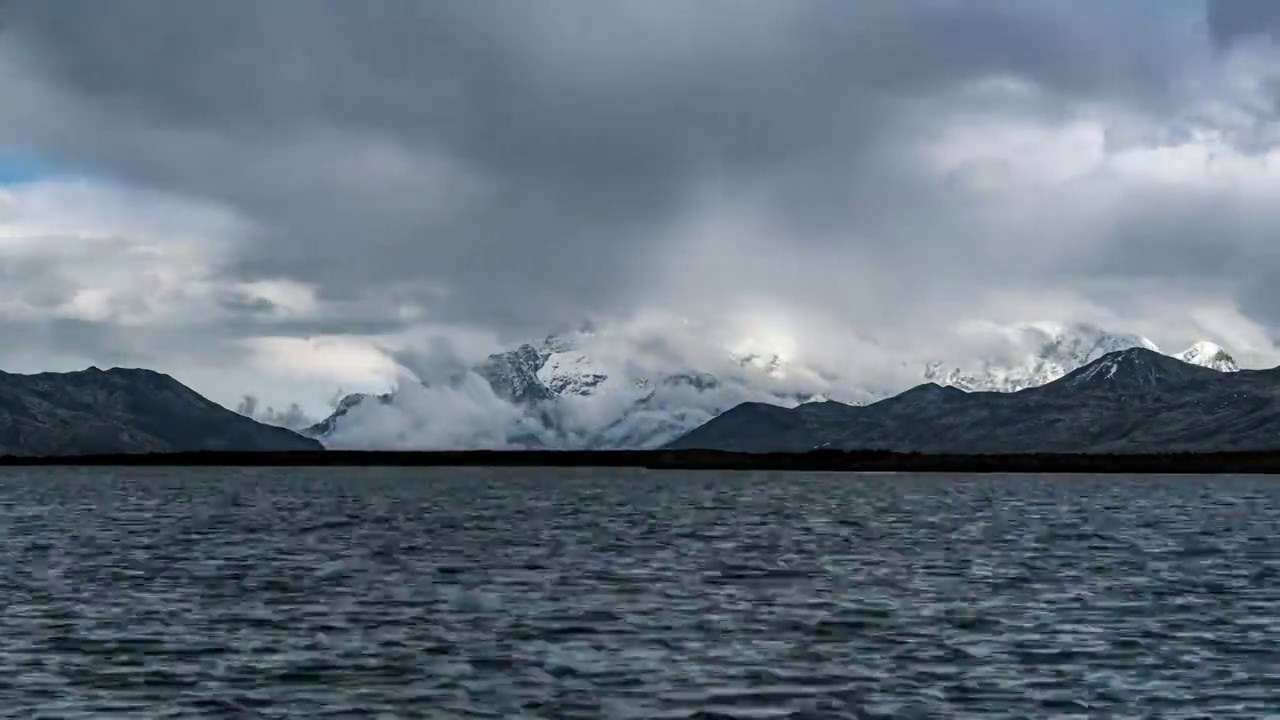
point(291, 417)
point(610, 388)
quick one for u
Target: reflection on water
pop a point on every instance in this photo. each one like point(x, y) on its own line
point(623, 594)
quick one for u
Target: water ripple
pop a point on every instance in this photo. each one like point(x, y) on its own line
point(623, 594)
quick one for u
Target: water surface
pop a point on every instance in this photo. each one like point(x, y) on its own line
point(623, 594)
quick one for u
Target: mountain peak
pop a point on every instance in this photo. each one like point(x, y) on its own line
point(1133, 367)
point(1209, 354)
point(921, 396)
point(929, 391)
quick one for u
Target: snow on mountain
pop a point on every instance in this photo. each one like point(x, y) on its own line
point(1035, 354)
point(513, 375)
point(1210, 355)
point(577, 390)
point(587, 389)
point(572, 372)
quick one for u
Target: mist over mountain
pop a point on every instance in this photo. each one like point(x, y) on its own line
point(291, 417)
point(597, 388)
point(567, 391)
point(1036, 353)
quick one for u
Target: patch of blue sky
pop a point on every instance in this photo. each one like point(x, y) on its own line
point(18, 167)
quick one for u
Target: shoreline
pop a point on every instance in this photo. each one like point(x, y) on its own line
point(818, 461)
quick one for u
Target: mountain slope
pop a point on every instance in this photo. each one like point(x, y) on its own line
point(1125, 401)
point(124, 411)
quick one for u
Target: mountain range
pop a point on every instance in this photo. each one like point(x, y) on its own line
point(1051, 350)
point(1132, 400)
point(563, 395)
point(1075, 389)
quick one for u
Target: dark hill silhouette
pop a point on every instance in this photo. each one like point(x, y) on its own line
point(124, 411)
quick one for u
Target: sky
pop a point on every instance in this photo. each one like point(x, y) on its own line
point(287, 199)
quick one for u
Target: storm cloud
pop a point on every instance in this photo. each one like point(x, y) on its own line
point(862, 175)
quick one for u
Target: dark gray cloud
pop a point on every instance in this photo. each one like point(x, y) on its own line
point(1233, 20)
point(511, 164)
point(1235, 24)
point(62, 344)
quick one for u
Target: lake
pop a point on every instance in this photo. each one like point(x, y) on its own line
point(624, 594)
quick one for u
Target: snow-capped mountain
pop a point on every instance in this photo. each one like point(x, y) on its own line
point(1132, 369)
point(572, 391)
point(1044, 352)
point(1210, 355)
point(568, 371)
point(1040, 353)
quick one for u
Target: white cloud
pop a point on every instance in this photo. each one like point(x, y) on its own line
point(348, 362)
point(143, 269)
point(91, 251)
point(465, 414)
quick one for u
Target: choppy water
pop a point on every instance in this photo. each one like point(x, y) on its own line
point(623, 594)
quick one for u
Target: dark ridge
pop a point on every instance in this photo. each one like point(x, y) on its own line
point(815, 461)
point(1132, 368)
point(927, 391)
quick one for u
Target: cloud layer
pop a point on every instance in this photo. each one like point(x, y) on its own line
point(285, 198)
